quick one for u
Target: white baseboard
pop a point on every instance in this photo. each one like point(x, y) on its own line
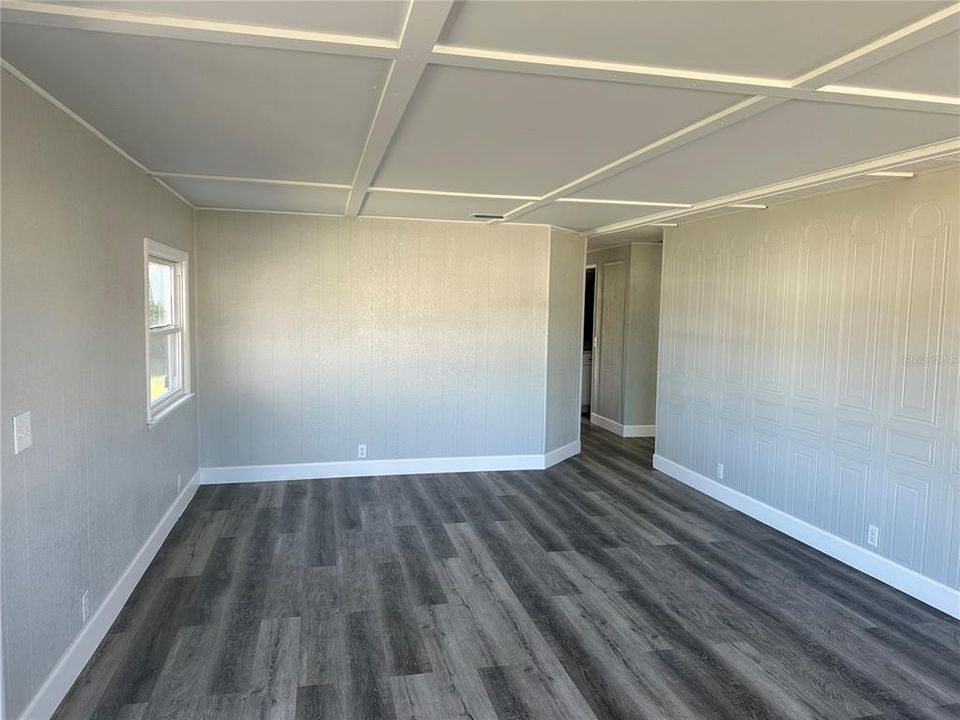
point(561, 453)
point(639, 430)
point(623, 430)
point(68, 667)
point(367, 468)
point(926, 590)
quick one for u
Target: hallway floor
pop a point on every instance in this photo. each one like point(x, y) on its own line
point(599, 588)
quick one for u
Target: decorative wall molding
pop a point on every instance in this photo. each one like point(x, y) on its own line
point(76, 656)
point(922, 588)
point(835, 369)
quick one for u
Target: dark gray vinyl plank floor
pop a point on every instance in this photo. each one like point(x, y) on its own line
point(599, 589)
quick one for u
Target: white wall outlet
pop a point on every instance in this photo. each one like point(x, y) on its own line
point(84, 605)
point(873, 535)
point(719, 471)
point(361, 451)
point(22, 432)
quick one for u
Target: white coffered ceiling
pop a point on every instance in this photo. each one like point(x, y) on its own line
point(578, 114)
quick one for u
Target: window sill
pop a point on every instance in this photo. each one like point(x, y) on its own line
point(169, 410)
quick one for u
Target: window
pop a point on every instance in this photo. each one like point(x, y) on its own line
point(168, 372)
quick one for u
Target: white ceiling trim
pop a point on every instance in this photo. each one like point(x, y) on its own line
point(269, 212)
point(418, 47)
point(906, 38)
point(741, 111)
point(90, 128)
point(896, 43)
point(363, 218)
point(179, 28)
point(258, 181)
point(568, 67)
point(421, 29)
point(448, 193)
point(643, 203)
point(133, 23)
point(868, 167)
point(910, 97)
point(600, 70)
point(891, 173)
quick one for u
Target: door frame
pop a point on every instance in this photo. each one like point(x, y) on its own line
point(594, 341)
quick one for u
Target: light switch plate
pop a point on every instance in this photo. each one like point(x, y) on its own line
point(22, 433)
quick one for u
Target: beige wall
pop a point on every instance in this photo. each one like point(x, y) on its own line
point(418, 339)
point(78, 504)
point(564, 338)
point(814, 349)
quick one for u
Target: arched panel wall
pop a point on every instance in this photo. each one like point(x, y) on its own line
point(823, 381)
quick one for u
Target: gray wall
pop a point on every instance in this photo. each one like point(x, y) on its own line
point(77, 506)
point(643, 329)
point(814, 349)
point(418, 339)
point(628, 299)
point(564, 338)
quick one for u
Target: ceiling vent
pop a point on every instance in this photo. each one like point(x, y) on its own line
point(485, 216)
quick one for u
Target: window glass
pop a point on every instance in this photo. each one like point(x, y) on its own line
point(162, 278)
point(165, 377)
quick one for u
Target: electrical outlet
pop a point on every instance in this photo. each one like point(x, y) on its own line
point(22, 432)
point(361, 451)
point(84, 605)
point(873, 535)
point(719, 471)
point(179, 482)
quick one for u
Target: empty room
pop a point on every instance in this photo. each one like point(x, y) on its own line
point(479, 360)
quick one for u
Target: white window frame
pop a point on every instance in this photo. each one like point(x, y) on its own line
point(153, 250)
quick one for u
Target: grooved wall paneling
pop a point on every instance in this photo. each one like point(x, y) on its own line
point(79, 504)
point(564, 338)
point(612, 300)
point(417, 339)
point(835, 381)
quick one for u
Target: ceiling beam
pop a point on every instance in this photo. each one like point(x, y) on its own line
point(178, 28)
point(911, 36)
point(867, 167)
point(906, 38)
point(257, 181)
point(448, 193)
point(735, 113)
point(422, 28)
point(566, 67)
point(156, 25)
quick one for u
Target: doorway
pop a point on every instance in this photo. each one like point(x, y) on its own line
point(589, 339)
